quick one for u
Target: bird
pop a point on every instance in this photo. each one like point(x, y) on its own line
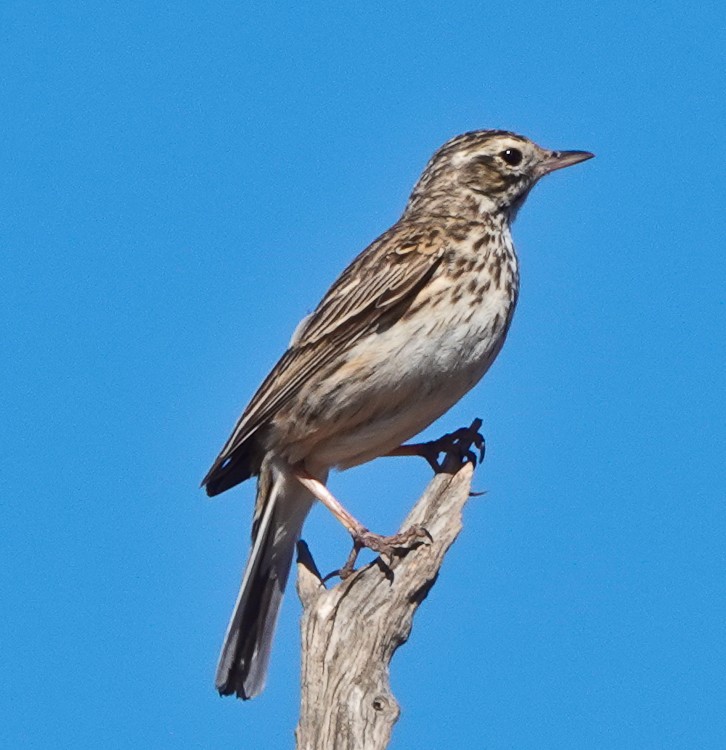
point(409, 327)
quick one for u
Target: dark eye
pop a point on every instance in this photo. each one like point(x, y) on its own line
point(512, 156)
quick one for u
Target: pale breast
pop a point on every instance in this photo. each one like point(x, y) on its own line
point(396, 381)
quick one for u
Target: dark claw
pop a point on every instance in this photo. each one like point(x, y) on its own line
point(458, 445)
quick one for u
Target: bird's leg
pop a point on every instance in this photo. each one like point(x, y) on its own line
point(326, 497)
point(456, 447)
point(428, 451)
point(362, 537)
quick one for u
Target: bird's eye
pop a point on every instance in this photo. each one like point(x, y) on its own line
point(512, 156)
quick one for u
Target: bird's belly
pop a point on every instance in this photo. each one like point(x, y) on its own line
point(396, 382)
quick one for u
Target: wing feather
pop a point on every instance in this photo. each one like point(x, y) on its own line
point(390, 272)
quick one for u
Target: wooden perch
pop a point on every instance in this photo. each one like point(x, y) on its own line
point(351, 631)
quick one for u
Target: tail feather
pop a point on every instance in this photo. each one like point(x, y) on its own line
point(282, 505)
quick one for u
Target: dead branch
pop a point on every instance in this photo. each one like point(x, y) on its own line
point(351, 631)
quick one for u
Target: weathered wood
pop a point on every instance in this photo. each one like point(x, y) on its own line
point(351, 631)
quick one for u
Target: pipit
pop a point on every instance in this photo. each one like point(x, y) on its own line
point(406, 330)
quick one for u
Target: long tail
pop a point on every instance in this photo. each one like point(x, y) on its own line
point(281, 507)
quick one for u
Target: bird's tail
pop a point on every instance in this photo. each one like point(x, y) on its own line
point(281, 507)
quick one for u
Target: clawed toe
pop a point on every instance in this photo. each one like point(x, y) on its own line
point(386, 546)
point(389, 545)
point(458, 446)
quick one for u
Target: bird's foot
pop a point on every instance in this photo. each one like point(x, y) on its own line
point(387, 546)
point(465, 445)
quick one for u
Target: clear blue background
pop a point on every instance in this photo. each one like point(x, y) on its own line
point(180, 184)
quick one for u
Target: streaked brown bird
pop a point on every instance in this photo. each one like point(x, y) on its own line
point(407, 329)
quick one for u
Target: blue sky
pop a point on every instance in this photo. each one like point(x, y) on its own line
point(181, 182)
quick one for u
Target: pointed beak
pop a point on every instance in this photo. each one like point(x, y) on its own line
point(562, 159)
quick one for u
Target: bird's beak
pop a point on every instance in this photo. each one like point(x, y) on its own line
point(562, 159)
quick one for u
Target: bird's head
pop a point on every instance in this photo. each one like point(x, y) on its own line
point(485, 172)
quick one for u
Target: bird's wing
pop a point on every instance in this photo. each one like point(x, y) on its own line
point(390, 272)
